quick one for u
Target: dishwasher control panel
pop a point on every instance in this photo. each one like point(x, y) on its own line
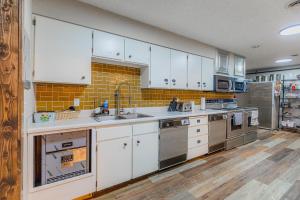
point(169, 123)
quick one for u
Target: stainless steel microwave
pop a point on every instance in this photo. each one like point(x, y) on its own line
point(223, 83)
point(240, 85)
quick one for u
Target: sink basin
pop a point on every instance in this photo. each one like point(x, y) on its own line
point(106, 118)
point(134, 116)
point(126, 116)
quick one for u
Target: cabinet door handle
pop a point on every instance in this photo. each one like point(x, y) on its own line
point(198, 130)
point(124, 145)
point(130, 56)
point(166, 81)
point(198, 121)
point(118, 54)
point(198, 141)
point(83, 77)
point(138, 142)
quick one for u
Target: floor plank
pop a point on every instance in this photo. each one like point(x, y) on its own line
point(268, 169)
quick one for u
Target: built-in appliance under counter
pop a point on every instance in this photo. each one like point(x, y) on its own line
point(173, 141)
point(217, 132)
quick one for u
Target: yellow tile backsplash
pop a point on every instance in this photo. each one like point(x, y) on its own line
point(105, 77)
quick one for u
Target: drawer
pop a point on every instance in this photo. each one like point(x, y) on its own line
point(250, 137)
point(197, 141)
point(143, 128)
point(68, 140)
point(195, 121)
point(197, 151)
point(114, 132)
point(235, 142)
point(195, 131)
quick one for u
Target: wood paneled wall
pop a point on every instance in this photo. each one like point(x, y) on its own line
point(11, 93)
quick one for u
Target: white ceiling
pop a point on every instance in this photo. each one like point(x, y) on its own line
point(233, 25)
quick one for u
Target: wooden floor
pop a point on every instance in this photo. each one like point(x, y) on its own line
point(266, 169)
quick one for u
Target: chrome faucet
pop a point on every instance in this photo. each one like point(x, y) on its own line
point(118, 97)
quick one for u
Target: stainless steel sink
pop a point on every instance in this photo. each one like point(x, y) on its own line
point(121, 117)
point(134, 116)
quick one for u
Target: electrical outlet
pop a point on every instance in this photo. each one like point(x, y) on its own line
point(76, 102)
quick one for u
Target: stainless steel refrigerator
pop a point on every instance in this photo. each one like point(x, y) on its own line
point(262, 95)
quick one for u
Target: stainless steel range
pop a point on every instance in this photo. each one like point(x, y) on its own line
point(241, 122)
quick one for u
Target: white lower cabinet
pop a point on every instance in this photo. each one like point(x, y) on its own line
point(145, 154)
point(197, 137)
point(126, 152)
point(114, 164)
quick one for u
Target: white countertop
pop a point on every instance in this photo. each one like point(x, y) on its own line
point(89, 122)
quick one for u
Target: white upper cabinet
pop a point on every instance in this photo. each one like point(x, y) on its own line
point(62, 52)
point(222, 66)
point(160, 67)
point(194, 72)
point(239, 66)
point(106, 45)
point(137, 52)
point(231, 65)
point(208, 74)
point(178, 70)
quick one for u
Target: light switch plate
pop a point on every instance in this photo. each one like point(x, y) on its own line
point(76, 102)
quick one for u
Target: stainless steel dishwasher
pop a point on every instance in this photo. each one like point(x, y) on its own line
point(173, 141)
point(216, 132)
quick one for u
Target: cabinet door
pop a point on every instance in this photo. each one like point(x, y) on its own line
point(62, 52)
point(145, 154)
point(137, 52)
point(178, 70)
point(231, 65)
point(207, 74)
point(160, 67)
point(223, 63)
point(107, 45)
point(114, 162)
point(194, 72)
point(239, 66)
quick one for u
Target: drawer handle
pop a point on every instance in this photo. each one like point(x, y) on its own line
point(198, 141)
point(117, 53)
point(124, 145)
point(198, 121)
point(138, 142)
point(198, 130)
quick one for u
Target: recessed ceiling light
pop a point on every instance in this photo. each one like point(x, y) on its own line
point(291, 30)
point(284, 60)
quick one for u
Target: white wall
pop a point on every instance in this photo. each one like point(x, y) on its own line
point(87, 15)
point(29, 100)
point(287, 73)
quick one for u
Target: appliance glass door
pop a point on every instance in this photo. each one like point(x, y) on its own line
point(239, 86)
point(223, 84)
point(235, 127)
